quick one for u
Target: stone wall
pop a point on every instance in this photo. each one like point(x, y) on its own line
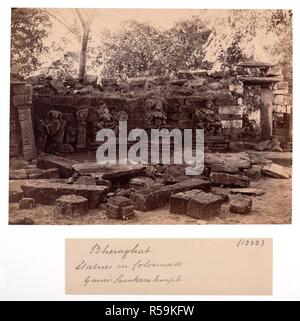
point(225, 105)
point(282, 110)
point(137, 100)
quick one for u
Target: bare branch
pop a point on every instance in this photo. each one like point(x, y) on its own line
point(63, 23)
point(81, 18)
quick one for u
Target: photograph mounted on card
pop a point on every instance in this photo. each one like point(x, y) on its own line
point(150, 116)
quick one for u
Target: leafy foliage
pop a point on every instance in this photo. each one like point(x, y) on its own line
point(28, 29)
point(141, 49)
point(233, 54)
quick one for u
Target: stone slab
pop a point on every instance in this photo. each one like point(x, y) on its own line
point(230, 160)
point(248, 191)
point(64, 166)
point(109, 172)
point(158, 196)
point(276, 171)
point(44, 192)
point(228, 180)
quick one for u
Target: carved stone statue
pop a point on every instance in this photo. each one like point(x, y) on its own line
point(52, 134)
point(207, 118)
point(158, 118)
point(105, 118)
point(55, 126)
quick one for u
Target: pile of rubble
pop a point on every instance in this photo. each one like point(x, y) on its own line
point(75, 188)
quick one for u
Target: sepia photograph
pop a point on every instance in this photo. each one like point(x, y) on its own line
point(150, 116)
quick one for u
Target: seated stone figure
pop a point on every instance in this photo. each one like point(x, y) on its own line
point(55, 126)
point(158, 116)
point(207, 118)
point(105, 118)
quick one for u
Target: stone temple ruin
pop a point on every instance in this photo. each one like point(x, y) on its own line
point(53, 126)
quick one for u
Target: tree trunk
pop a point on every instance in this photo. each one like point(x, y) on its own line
point(83, 52)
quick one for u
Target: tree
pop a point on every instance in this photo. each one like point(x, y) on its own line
point(186, 45)
point(142, 49)
point(133, 51)
point(28, 29)
point(85, 19)
point(233, 54)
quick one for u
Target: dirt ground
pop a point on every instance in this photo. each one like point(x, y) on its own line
point(274, 207)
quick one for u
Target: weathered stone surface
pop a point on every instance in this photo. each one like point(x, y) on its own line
point(281, 158)
point(179, 201)
point(224, 168)
point(158, 196)
point(236, 146)
point(141, 182)
point(34, 172)
point(22, 221)
point(50, 173)
point(15, 196)
point(254, 173)
point(229, 180)
point(228, 160)
point(46, 193)
point(71, 206)
point(15, 191)
point(17, 164)
point(241, 205)
point(204, 205)
point(247, 191)
point(276, 171)
point(281, 92)
point(110, 172)
point(85, 180)
point(18, 174)
point(120, 207)
point(281, 85)
point(102, 182)
point(220, 192)
point(257, 159)
point(64, 166)
point(269, 145)
point(259, 81)
point(90, 80)
point(26, 203)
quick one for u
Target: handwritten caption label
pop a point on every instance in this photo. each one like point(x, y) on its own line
point(169, 266)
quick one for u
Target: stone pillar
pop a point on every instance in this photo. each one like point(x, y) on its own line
point(81, 127)
point(266, 112)
point(21, 100)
